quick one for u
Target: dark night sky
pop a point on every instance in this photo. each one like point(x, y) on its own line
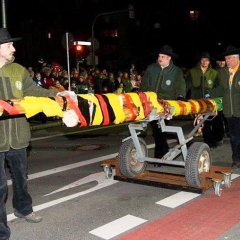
point(73, 15)
point(76, 16)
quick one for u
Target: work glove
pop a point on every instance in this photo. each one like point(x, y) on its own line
point(71, 94)
point(181, 98)
point(70, 118)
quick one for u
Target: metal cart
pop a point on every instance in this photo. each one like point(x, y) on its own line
point(200, 174)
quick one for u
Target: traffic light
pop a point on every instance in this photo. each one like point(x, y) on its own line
point(131, 11)
point(79, 52)
point(79, 48)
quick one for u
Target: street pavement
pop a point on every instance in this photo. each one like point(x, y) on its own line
point(80, 209)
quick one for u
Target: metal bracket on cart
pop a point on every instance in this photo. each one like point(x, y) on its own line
point(196, 158)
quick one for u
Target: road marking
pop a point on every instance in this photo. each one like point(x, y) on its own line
point(102, 183)
point(99, 177)
point(117, 226)
point(72, 166)
point(68, 167)
point(208, 217)
point(183, 197)
point(234, 175)
point(177, 199)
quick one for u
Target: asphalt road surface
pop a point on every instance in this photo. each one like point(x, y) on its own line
point(78, 201)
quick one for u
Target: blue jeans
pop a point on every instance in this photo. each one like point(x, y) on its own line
point(234, 134)
point(22, 201)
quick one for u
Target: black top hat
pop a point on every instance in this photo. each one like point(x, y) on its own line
point(5, 36)
point(205, 55)
point(219, 58)
point(231, 50)
point(167, 50)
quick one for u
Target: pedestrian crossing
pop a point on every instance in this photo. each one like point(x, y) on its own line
point(129, 222)
point(118, 226)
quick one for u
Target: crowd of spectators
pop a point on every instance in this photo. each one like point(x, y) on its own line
point(83, 81)
point(86, 80)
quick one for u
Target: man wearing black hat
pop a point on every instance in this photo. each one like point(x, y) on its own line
point(230, 82)
point(15, 82)
point(202, 82)
point(220, 63)
point(166, 80)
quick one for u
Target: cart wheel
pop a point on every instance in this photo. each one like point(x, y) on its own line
point(217, 187)
point(227, 180)
point(198, 160)
point(129, 165)
point(108, 171)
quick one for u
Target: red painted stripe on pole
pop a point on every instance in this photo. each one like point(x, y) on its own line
point(10, 109)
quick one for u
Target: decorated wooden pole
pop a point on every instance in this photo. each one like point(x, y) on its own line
point(104, 109)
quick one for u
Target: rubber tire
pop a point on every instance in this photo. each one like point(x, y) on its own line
point(218, 189)
point(129, 165)
point(197, 151)
point(227, 181)
point(108, 171)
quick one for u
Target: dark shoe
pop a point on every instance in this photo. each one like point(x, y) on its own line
point(32, 217)
point(158, 164)
point(234, 165)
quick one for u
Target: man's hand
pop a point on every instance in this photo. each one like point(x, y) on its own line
point(207, 95)
point(71, 94)
point(181, 98)
point(70, 118)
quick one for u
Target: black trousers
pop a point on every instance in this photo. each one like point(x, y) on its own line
point(225, 124)
point(160, 138)
point(213, 130)
point(234, 132)
point(21, 201)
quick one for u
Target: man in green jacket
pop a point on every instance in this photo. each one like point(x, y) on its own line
point(166, 80)
point(202, 82)
point(230, 82)
point(15, 83)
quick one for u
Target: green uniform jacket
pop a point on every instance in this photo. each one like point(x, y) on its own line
point(127, 85)
point(15, 83)
point(199, 84)
point(168, 83)
point(231, 94)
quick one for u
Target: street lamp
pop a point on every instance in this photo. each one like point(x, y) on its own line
point(4, 18)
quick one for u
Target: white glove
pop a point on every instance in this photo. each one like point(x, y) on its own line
point(71, 94)
point(70, 118)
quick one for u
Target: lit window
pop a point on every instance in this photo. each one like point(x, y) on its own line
point(194, 15)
